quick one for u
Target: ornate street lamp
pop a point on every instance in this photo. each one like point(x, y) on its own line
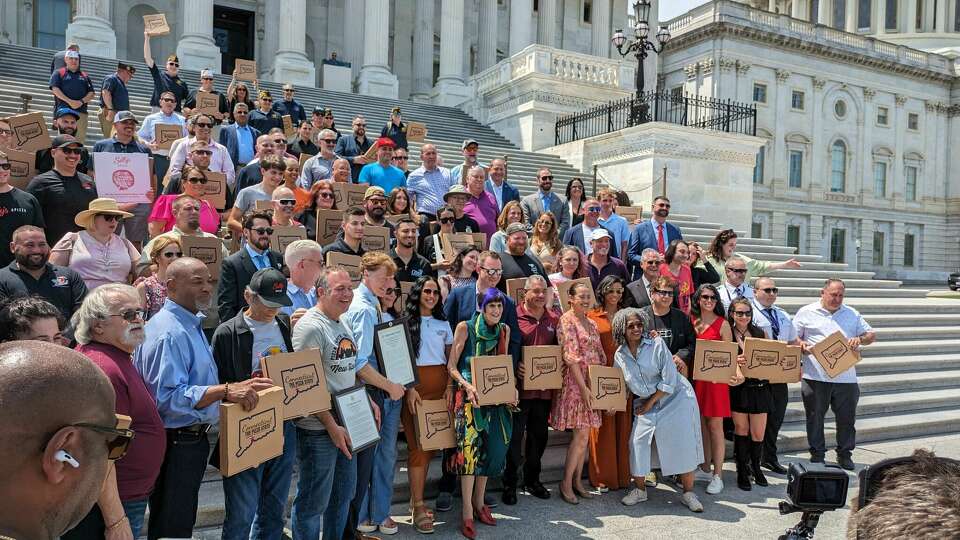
point(640, 45)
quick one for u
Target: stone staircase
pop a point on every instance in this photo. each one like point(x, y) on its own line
point(910, 378)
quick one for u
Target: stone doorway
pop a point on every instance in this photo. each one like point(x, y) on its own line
point(233, 32)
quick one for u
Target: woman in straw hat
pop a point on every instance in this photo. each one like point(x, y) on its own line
point(97, 253)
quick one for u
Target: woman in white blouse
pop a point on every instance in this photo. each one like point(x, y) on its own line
point(97, 253)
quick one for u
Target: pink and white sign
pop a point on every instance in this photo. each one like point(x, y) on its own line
point(123, 177)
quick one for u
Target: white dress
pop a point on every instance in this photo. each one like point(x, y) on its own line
point(669, 434)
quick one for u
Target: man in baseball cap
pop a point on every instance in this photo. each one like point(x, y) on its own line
point(167, 80)
point(383, 173)
point(395, 129)
point(469, 149)
point(602, 263)
point(65, 123)
point(289, 106)
point(375, 207)
point(62, 192)
point(114, 96)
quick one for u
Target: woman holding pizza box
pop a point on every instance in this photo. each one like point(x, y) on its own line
point(483, 433)
point(664, 408)
point(193, 183)
point(572, 407)
point(706, 314)
point(431, 338)
point(749, 402)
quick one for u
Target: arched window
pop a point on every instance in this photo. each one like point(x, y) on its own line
point(838, 167)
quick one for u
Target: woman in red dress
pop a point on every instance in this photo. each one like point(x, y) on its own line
point(706, 313)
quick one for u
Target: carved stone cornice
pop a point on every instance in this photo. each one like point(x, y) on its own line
point(900, 99)
point(782, 75)
point(868, 93)
point(706, 66)
point(743, 67)
point(819, 83)
point(691, 71)
point(930, 106)
point(727, 63)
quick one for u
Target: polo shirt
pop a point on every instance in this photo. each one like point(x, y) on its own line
point(59, 285)
point(814, 323)
point(117, 147)
point(291, 108)
point(73, 84)
point(614, 267)
point(17, 208)
point(418, 267)
point(300, 146)
point(388, 177)
point(264, 121)
point(61, 198)
point(118, 92)
point(533, 331)
point(340, 246)
point(163, 82)
point(483, 210)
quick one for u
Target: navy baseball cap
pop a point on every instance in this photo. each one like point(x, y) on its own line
point(63, 111)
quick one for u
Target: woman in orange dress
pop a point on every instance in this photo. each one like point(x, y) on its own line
point(609, 444)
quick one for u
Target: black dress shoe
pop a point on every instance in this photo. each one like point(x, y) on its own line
point(538, 490)
point(846, 463)
point(774, 467)
point(509, 496)
point(816, 459)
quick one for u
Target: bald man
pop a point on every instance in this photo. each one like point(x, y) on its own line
point(57, 416)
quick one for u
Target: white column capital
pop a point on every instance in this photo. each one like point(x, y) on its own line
point(291, 65)
point(91, 29)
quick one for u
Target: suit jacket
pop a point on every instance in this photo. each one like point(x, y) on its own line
point(574, 237)
point(645, 236)
point(235, 275)
point(532, 207)
point(461, 305)
point(229, 138)
point(510, 193)
point(641, 296)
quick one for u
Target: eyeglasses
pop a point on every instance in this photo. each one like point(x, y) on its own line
point(280, 141)
point(131, 315)
point(5, 166)
point(737, 270)
point(662, 292)
point(287, 202)
point(431, 292)
point(447, 220)
point(743, 313)
point(172, 254)
point(74, 151)
point(6, 132)
point(202, 152)
point(168, 100)
point(377, 202)
point(263, 230)
point(771, 290)
point(635, 324)
point(492, 271)
point(324, 194)
point(708, 298)
point(400, 158)
point(110, 217)
point(197, 180)
point(204, 125)
point(116, 444)
point(594, 209)
point(548, 177)
point(330, 141)
point(651, 263)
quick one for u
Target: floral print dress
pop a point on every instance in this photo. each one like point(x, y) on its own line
point(581, 348)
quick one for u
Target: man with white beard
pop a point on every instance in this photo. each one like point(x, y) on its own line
point(176, 362)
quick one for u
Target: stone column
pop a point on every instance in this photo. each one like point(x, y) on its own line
point(772, 6)
point(797, 11)
point(824, 12)
point(196, 48)
point(353, 43)
point(600, 17)
point(941, 17)
point(908, 22)
point(450, 89)
point(91, 29)
point(291, 65)
point(423, 51)
point(375, 76)
point(928, 15)
point(547, 24)
point(487, 40)
point(880, 16)
point(852, 13)
point(521, 20)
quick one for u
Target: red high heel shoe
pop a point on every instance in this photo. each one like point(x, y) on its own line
point(467, 529)
point(485, 517)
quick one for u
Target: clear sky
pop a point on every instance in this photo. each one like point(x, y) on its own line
point(672, 8)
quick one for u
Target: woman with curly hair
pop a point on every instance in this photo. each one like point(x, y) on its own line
point(30, 318)
point(511, 213)
point(664, 408)
point(483, 432)
point(463, 270)
point(724, 246)
point(431, 338)
point(545, 242)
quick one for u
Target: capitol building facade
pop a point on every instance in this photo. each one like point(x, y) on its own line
point(857, 100)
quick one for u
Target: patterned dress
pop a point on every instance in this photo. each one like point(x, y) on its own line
point(581, 348)
point(156, 293)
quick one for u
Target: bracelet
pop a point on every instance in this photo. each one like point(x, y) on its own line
point(117, 523)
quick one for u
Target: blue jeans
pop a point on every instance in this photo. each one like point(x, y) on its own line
point(376, 502)
point(134, 511)
point(325, 488)
point(255, 498)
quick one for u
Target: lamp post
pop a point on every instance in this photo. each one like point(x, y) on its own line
point(640, 45)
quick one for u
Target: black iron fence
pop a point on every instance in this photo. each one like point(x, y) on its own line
point(675, 108)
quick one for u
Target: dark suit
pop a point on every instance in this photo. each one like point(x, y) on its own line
point(574, 237)
point(641, 296)
point(230, 139)
point(532, 207)
point(249, 175)
point(510, 193)
point(645, 236)
point(235, 275)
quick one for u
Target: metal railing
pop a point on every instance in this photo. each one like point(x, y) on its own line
point(682, 109)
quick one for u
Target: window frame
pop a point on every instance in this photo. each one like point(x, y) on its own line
point(766, 95)
point(790, 162)
point(886, 116)
point(833, 171)
point(803, 100)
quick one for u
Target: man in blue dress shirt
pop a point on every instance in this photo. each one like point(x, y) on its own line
point(177, 364)
point(304, 259)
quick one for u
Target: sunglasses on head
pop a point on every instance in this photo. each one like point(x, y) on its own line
point(197, 180)
point(110, 217)
point(131, 315)
point(263, 230)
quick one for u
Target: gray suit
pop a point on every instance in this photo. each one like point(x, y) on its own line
point(641, 297)
point(532, 207)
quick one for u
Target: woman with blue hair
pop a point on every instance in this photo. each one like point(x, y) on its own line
point(483, 433)
point(664, 408)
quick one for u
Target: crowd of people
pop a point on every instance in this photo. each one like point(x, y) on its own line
point(174, 341)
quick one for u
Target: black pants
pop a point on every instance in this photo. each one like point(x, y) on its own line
point(842, 398)
point(532, 421)
point(779, 393)
point(173, 504)
point(448, 480)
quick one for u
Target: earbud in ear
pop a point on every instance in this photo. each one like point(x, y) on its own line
point(63, 457)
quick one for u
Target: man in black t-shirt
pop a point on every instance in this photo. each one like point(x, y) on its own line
point(17, 208)
point(32, 274)
point(65, 122)
point(517, 261)
point(411, 266)
point(167, 80)
point(62, 192)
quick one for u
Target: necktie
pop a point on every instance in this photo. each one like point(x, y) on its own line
point(661, 247)
point(774, 322)
point(739, 292)
point(262, 262)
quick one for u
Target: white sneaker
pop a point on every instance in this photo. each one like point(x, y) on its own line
point(699, 475)
point(716, 485)
point(636, 495)
point(691, 501)
point(367, 527)
point(650, 480)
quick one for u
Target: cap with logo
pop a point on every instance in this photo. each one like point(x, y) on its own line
point(598, 234)
point(386, 142)
point(67, 111)
point(467, 143)
point(322, 111)
point(123, 116)
point(206, 74)
point(124, 66)
point(71, 54)
point(265, 94)
point(173, 58)
point(271, 286)
point(374, 191)
point(395, 110)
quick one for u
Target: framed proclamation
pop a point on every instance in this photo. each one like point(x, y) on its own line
point(394, 351)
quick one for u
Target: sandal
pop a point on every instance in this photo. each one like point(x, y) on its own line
point(422, 519)
point(484, 516)
point(467, 529)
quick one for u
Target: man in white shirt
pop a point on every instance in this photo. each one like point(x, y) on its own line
point(776, 323)
point(220, 159)
point(616, 224)
point(814, 323)
point(735, 286)
point(166, 115)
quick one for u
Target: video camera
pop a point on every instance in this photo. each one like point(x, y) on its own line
point(812, 489)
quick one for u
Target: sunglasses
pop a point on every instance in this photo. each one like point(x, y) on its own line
point(5, 166)
point(196, 180)
point(771, 290)
point(594, 209)
point(400, 158)
point(263, 230)
point(632, 325)
point(117, 443)
point(239, 112)
point(110, 217)
point(287, 202)
point(550, 177)
point(447, 220)
point(174, 64)
point(431, 292)
point(737, 270)
point(280, 141)
point(74, 151)
point(204, 125)
point(651, 263)
point(663, 205)
point(202, 152)
point(172, 254)
point(206, 79)
point(168, 100)
point(662, 292)
point(743, 313)
point(324, 194)
point(708, 297)
point(330, 141)
point(131, 315)
point(492, 271)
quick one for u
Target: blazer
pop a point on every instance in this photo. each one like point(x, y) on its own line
point(533, 208)
point(461, 305)
point(574, 237)
point(510, 193)
point(229, 138)
point(641, 296)
point(235, 274)
point(644, 236)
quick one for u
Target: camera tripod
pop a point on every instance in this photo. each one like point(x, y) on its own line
point(804, 529)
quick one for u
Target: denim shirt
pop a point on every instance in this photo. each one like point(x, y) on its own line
point(651, 370)
point(177, 364)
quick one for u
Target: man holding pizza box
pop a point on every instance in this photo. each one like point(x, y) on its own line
point(815, 323)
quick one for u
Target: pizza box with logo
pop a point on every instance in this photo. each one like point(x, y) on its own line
point(608, 391)
point(248, 438)
point(715, 361)
point(300, 375)
point(434, 427)
point(494, 379)
point(542, 367)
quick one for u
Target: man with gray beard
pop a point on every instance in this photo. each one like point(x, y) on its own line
point(176, 362)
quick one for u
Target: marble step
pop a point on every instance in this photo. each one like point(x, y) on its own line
point(788, 281)
point(890, 306)
point(907, 365)
point(932, 346)
point(910, 333)
point(890, 403)
point(896, 382)
point(869, 292)
point(884, 320)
